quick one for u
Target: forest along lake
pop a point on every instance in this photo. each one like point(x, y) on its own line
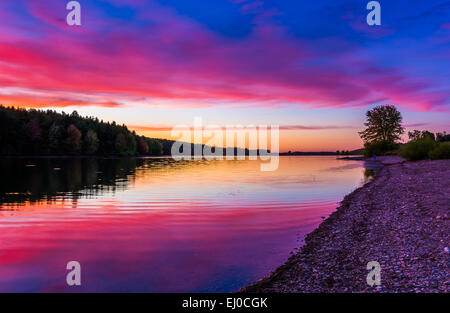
point(157, 225)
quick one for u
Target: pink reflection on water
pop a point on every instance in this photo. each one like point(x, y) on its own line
point(181, 250)
point(212, 235)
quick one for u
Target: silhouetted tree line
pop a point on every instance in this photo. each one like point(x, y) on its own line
point(37, 132)
point(438, 137)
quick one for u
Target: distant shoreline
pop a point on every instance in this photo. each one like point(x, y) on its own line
point(141, 156)
point(399, 219)
point(340, 156)
point(82, 157)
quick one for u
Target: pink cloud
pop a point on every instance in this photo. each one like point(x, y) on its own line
point(178, 59)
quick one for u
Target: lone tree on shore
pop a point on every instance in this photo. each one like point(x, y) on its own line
point(383, 129)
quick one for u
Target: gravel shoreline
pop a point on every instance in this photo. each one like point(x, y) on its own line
point(399, 219)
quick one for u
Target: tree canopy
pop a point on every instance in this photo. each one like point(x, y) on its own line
point(383, 124)
point(37, 132)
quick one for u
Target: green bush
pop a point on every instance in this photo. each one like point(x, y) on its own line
point(379, 147)
point(440, 152)
point(418, 149)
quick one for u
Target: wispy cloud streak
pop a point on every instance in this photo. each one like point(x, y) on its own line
point(157, 53)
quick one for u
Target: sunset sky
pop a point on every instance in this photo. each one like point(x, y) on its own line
point(312, 67)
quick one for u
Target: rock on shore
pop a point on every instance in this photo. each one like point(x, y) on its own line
point(399, 219)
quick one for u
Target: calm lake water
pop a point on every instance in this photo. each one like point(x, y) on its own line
point(156, 225)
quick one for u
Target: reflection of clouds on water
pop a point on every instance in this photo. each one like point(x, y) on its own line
point(163, 178)
point(160, 225)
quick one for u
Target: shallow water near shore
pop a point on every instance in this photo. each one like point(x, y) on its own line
point(156, 225)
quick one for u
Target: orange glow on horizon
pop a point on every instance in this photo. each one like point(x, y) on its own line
point(294, 140)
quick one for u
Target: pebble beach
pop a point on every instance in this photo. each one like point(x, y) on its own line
point(399, 219)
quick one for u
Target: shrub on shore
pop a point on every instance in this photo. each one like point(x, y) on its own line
point(379, 148)
point(418, 149)
point(442, 151)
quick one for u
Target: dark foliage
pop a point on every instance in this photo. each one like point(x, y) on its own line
point(378, 148)
point(442, 151)
point(36, 132)
point(384, 124)
point(442, 137)
point(425, 144)
point(417, 134)
point(419, 149)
